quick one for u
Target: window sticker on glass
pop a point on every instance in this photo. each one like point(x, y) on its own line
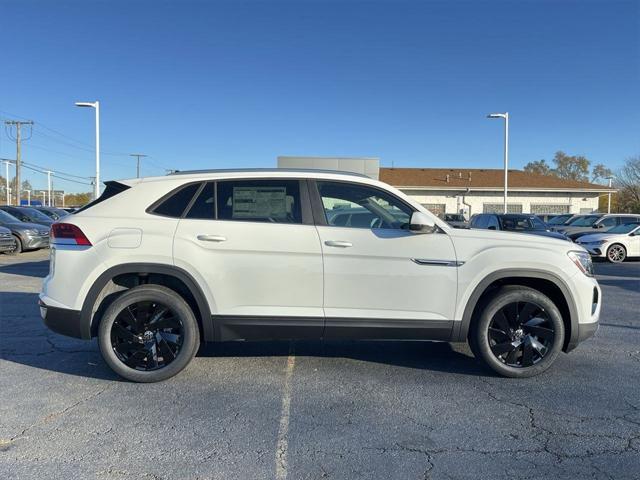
point(260, 202)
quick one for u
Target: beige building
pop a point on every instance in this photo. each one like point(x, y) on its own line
point(470, 190)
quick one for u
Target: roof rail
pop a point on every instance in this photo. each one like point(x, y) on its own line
point(266, 170)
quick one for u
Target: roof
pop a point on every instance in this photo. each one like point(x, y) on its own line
point(267, 170)
point(480, 179)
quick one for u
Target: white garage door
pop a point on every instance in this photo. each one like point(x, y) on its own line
point(499, 208)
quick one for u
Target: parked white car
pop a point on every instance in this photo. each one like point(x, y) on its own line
point(156, 265)
point(616, 244)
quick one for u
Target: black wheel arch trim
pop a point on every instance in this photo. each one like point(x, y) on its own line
point(87, 326)
point(462, 330)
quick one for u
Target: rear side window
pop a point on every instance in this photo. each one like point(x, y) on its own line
point(175, 204)
point(204, 207)
point(492, 221)
point(275, 201)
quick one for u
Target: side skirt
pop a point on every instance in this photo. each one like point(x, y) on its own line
point(241, 327)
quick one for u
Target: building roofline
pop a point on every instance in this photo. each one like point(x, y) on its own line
point(510, 189)
point(268, 170)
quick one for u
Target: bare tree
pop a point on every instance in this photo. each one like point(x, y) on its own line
point(538, 167)
point(628, 183)
point(600, 172)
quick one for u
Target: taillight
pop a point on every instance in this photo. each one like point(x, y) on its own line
point(68, 234)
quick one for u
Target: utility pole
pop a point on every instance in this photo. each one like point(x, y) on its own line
point(138, 157)
point(6, 165)
point(609, 199)
point(18, 138)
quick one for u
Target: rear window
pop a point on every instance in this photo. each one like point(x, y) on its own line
point(176, 203)
point(111, 190)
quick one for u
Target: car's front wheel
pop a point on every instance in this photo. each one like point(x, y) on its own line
point(519, 333)
point(148, 334)
point(616, 253)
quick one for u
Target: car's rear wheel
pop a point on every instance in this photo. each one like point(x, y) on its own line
point(519, 333)
point(616, 253)
point(148, 334)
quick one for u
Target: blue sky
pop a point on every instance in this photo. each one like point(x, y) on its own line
point(235, 84)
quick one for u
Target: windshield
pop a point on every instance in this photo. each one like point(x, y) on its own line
point(35, 214)
point(7, 218)
point(584, 221)
point(626, 228)
point(452, 217)
point(559, 220)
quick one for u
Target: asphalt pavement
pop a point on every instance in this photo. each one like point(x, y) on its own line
point(308, 410)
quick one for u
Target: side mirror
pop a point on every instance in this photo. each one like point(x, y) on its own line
point(598, 225)
point(422, 223)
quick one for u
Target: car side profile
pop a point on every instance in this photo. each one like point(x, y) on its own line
point(595, 223)
point(27, 236)
point(156, 265)
point(616, 244)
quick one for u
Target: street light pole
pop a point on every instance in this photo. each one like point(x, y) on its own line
point(609, 195)
point(6, 165)
point(96, 106)
point(28, 197)
point(506, 151)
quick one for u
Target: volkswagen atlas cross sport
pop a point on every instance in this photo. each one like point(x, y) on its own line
point(156, 265)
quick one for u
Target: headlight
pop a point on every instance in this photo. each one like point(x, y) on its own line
point(597, 243)
point(31, 231)
point(582, 261)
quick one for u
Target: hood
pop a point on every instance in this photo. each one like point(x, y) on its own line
point(596, 237)
point(500, 235)
point(25, 226)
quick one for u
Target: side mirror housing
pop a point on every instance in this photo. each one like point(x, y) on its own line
point(421, 223)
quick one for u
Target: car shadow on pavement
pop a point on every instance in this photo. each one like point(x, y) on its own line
point(422, 355)
point(38, 269)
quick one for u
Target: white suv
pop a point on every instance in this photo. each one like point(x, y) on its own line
point(156, 265)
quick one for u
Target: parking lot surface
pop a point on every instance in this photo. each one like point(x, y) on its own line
point(400, 410)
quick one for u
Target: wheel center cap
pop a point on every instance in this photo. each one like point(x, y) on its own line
point(147, 336)
point(518, 334)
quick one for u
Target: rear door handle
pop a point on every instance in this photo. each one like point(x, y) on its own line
point(338, 243)
point(211, 238)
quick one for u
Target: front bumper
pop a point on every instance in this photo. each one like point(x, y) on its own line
point(7, 244)
point(33, 242)
point(63, 321)
point(594, 250)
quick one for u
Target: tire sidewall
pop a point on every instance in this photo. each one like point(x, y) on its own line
point(18, 248)
point(503, 297)
point(168, 298)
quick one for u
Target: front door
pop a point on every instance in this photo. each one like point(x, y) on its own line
point(380, 279)
point(256, 246)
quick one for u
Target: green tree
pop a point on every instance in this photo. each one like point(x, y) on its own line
point(539, 167)
point(571, 167)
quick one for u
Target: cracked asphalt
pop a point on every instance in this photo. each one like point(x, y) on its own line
point(397, 410)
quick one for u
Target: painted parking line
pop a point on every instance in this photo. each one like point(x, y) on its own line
point(283, 430)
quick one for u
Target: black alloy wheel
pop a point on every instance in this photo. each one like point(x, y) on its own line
point(147, 336)
point(521, 334)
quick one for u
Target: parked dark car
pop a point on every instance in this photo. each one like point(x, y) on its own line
point(7, 242)
point(456, 220)
point(53, 213)
point(28, 214)
point(513, 222)
point(557, 220)
point(28, 236)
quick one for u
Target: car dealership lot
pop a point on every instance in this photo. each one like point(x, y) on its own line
point(310, 410)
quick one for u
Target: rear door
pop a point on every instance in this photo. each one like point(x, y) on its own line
point(254, 243)
point(380, 279)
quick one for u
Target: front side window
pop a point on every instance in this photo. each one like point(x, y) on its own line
point(608, 222)
point(360, 206)
point(492, 222)
point(274, 201)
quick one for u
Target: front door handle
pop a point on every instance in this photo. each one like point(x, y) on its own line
point(338, 243)
point(211, 238)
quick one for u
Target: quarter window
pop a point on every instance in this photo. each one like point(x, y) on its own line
point(360, 206)
point(275, 201)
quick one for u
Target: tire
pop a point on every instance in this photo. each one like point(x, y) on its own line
point(616, 253)
point(142, 345)
point(19, 248)
point(521, 347)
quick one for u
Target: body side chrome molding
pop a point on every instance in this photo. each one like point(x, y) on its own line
point(437, 263)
